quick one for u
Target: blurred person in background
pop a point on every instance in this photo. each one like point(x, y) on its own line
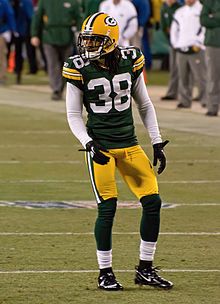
point(53, 24)
point(152, 25)
point(23, 12)
point(90, 7)
point(125, 13)
point(210, 19)
point(7, 27)
point(40, 56)
point(187, 38)
point(167, 11)
point(155, 16)
point(143, 14)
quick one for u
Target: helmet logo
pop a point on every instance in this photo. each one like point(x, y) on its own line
point(110, 21)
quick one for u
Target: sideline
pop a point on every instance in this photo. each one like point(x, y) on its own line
point(191, 120)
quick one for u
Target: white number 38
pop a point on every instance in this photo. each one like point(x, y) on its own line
point(120, 102)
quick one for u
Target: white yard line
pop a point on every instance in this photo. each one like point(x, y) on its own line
point(115, 233)
point(95, 271)
point(191, 182)
point(200, 161)
point(15, 162)
point(35, 132)
point(77, 145)
point(35, 146)
point(39, 181)
point(12, 162)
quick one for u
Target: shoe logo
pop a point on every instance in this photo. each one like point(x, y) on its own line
point(102, 284)
point(145, 278)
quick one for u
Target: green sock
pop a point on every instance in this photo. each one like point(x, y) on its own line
point(150, 221)
point(104, 223)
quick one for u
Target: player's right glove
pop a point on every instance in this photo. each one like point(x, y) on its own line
point(94, 150)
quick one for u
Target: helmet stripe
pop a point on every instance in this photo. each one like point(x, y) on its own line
point(91, 20)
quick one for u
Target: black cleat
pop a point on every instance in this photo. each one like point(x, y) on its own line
point(182, 106)
point(57, 95)
point(151, 278)
point(108, 282)
point(210, 113)
point(167, 97)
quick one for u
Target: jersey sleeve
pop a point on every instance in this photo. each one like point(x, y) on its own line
point(71, 73)
point(138, 63)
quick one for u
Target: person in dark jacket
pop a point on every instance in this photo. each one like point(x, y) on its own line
point(7, 27)
point(143, 15)
point(52, 25)
point(210, 19)
point(23, 11)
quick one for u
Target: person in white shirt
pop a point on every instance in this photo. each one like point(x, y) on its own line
point(187, 38)
point(125, 13)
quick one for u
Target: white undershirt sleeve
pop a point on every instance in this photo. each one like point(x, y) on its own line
point(146, 110)
point(74, 109)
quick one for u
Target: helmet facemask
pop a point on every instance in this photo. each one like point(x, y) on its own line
point(93, 47)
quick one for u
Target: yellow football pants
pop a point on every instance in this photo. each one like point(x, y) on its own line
point(133, 165)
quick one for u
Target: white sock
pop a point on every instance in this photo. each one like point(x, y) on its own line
point(104, 258)
point(147, 250)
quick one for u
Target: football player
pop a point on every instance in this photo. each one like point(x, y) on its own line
point(104, 78)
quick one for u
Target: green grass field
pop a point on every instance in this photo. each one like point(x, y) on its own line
point(47, 255)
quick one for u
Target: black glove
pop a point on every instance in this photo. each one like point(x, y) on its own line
point(159, 155)
point(94, 149)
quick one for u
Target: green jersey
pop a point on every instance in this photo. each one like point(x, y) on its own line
point(107, 97)
point(210, 19)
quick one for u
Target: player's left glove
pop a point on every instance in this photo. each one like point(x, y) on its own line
point(160, 156)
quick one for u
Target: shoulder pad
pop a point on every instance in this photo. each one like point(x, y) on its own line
point(139, 61)
point(135, 55)
point(72, 67)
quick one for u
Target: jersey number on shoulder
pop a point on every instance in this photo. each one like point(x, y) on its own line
point(129, 51)
point(122, 99)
